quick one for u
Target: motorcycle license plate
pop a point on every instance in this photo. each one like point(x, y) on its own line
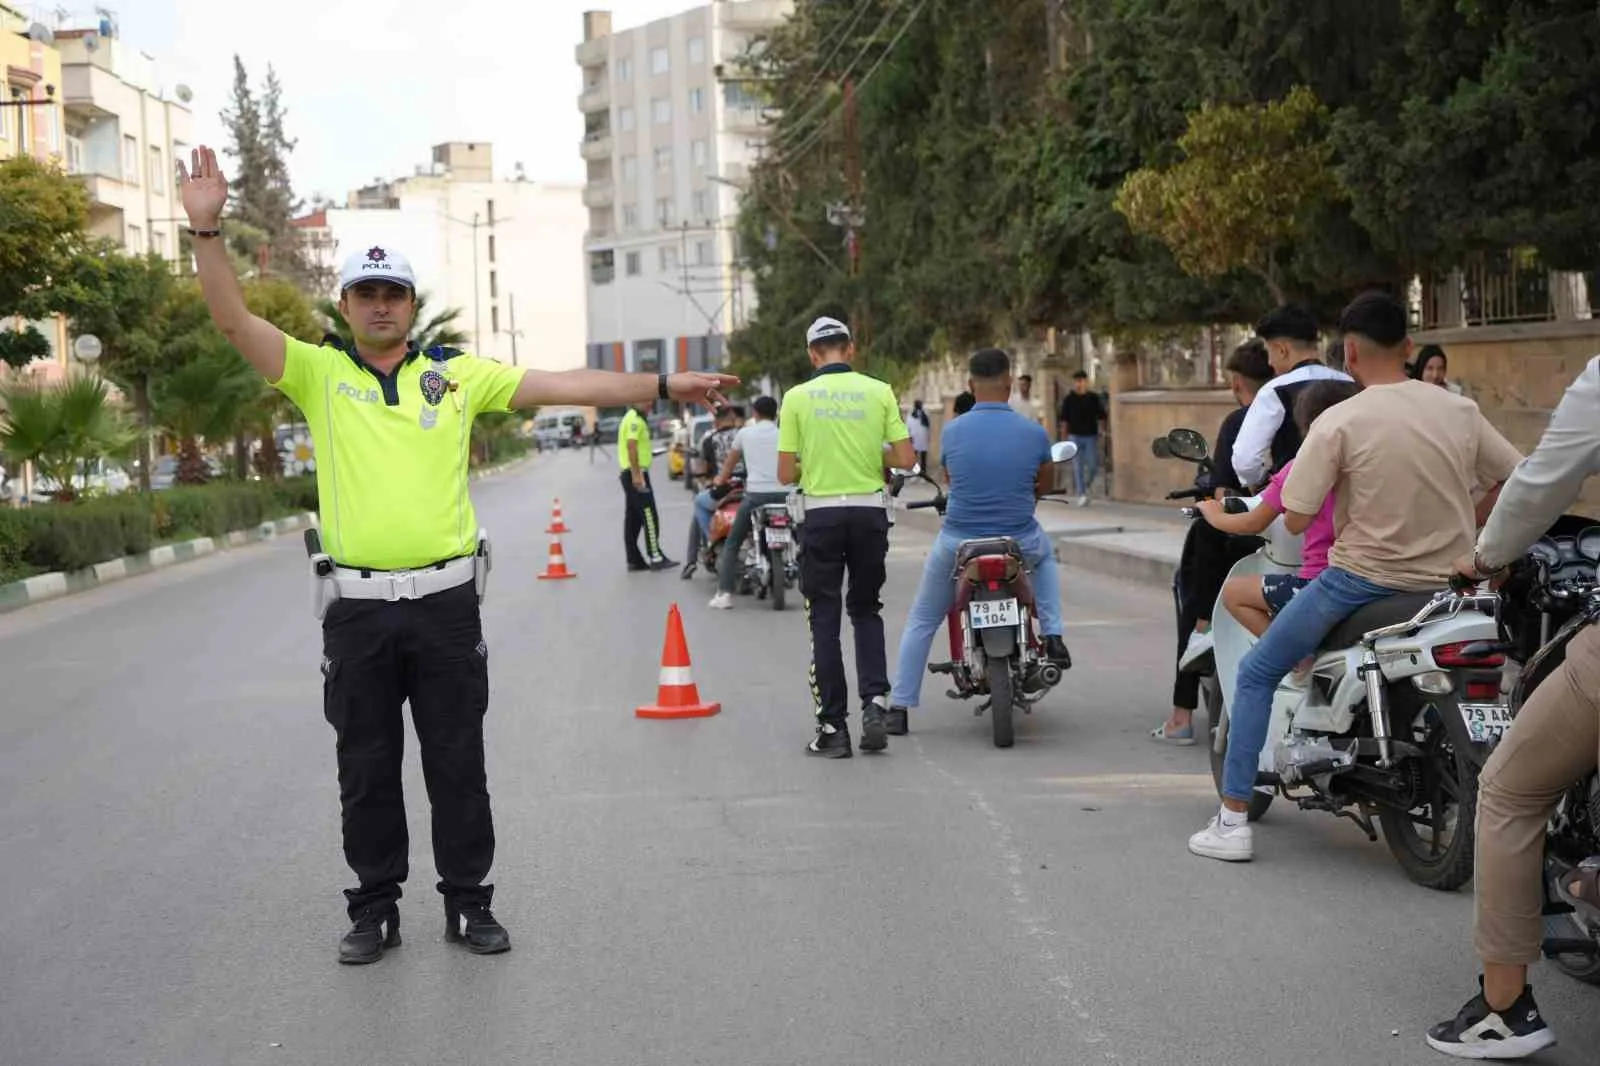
point(1486, 721)
point(777, 538)
point(992, 614)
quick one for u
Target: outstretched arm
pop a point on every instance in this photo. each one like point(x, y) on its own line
point(605, 388)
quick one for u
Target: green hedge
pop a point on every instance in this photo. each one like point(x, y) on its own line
point(73, 536)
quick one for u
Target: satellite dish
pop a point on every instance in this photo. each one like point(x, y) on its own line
point(87, 348)
point(184, 93)
point(41, 33)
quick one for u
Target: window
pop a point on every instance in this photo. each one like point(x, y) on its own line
point(624, 119)
point(136, 240)
point(697, 101)
point(494, 318)
point(130, 159)
point(702, 253)
point(630, 168)
point(158, 242)
point(701, 206)
point(602, 267)
point(624, 70)
point(669, 257)
point(74, 156)
point(54, 114)
point(494, 285)
point(158, 172)
point(666, 213)
point(661, 110)
point(630, 218)
point(663, 158)
point(659, 62)
point(491, 247)
point(697, 50)
point(700, 153)
point(488, 208)
point(5, 118)
point(632, 263)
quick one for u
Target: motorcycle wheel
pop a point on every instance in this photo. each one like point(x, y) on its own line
point(1449, 868)
point(775, 577)
point(1000, 702)
point(1211, 696)
point(1585, 968)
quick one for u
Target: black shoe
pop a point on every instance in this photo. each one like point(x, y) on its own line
point(473, 924)
point(1480, 1033)
point(375, 929)
point(638, 568)
point(688, 569)
point(663, 563)
point(897, 721)
point(1055, 650)
point(874, 730)
point(831, 742)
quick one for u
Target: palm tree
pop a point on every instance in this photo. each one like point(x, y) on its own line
point(207, 398)
point(62, 427)
point(426, 332)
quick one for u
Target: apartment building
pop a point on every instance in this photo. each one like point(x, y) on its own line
point(669, 133)
point(508, 252)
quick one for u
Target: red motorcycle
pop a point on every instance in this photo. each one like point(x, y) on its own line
point(996, 652)
point(721, 525)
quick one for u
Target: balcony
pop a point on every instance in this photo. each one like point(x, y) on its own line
point(599, 194)
point(107, 191)
point(596, 98)
point(748, 120)
point(594, 53)
point(755, 14)
point(596, 145)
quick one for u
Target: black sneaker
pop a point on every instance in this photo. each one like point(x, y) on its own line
point(831, 742)
point(474, 925)
point(662, 563)
point(375, 930)
point(1480, 1033)
point(896, 721)
point(1055, 650)
point(874, 729)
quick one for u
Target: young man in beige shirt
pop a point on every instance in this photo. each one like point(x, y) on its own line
point(1402, 459)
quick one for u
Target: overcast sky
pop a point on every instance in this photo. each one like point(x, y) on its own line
point(372, 85)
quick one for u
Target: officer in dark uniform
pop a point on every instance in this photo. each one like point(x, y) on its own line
point(833, 429)
point(399, 587)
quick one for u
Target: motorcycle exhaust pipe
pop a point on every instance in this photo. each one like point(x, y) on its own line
point(1050, 674)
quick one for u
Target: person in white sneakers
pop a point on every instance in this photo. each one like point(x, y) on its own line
point(756, 445)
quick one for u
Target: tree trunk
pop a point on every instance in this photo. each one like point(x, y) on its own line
point(141, 404)
point(269, 464)
point(192, 468)
point(241, 457)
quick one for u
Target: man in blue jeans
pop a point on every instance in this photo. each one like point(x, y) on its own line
point(1402, 459)
point(1081, 419)
point(998, 464)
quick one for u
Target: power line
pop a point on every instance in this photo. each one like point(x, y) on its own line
point(845, 29)
point(822, 104)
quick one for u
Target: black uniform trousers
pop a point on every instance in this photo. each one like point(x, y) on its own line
point(376, 656)
point(641, 516)
point(841, 542)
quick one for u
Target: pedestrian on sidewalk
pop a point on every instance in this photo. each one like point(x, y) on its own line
point(921, 430)
point(1082, 418)
point(639, 495)
point(831, 438)
point(387, 421)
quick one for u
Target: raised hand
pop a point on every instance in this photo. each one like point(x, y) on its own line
point(700, 388)
point(203, 189)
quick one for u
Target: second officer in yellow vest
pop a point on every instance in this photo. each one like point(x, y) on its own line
point(833, 430)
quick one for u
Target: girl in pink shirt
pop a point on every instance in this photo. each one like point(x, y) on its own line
point(1254, 601)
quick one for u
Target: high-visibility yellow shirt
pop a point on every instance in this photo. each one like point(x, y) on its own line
point(838, 423)
point(634, 428)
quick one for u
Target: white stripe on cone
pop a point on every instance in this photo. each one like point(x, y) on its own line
point(676, 677)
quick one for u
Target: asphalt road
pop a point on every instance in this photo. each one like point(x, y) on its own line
point(678, 892)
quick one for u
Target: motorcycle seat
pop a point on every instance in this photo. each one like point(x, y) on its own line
point(972, 549)
point(1375, 616)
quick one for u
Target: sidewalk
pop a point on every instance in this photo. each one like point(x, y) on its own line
point(1128, 541)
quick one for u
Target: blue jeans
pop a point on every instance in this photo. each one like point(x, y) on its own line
point(1087, 463)
point(937, 595)
point(704, 508)
point(1295, 633)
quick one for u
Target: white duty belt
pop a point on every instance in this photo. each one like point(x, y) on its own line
point(870, 499)
point(393, 585)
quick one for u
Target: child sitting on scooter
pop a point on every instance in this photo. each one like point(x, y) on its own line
point(1254, 601)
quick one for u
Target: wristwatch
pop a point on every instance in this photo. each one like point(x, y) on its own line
point(661, 387)
point(205, 232)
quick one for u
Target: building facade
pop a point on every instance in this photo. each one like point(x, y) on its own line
point(507, 253)
point(670, 130)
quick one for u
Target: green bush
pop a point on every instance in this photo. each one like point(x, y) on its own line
point(72, 536)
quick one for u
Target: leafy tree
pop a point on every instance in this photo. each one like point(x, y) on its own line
point(1255, 179)
point(62, 427)
point(207, 398)
point(42, 215)
point(263, 197)
point(428, 329)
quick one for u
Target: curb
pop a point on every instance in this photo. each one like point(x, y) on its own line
point(1121, 561)
point(41, 587)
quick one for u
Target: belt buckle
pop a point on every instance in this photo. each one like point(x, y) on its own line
point(402, 585)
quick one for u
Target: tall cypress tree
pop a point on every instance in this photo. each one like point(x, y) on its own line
point(264, 203)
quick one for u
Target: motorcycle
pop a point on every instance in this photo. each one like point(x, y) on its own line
point(1396, 719)
point(770, 559)
point(996, 653)
point(1551, 597)
point(721, 525)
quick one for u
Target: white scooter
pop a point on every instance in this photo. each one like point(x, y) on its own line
point(1401, 710)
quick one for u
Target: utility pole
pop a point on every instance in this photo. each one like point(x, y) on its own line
point(851, 215)
point(511, 306)
point(477, 304)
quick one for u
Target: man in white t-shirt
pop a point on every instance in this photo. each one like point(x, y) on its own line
point(757, 446)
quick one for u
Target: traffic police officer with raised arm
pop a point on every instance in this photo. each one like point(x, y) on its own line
point(832, 432)
point(399, 587)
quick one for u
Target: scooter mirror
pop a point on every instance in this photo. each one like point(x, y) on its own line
point(1187, 444)
point(1162, 449)
point(1063, 452)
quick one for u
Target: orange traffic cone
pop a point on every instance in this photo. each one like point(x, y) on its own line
point(677, 696)
point(556, 570)
point(556, 524)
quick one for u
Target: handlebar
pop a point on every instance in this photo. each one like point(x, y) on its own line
point(922, 505)
point(1189, 494)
